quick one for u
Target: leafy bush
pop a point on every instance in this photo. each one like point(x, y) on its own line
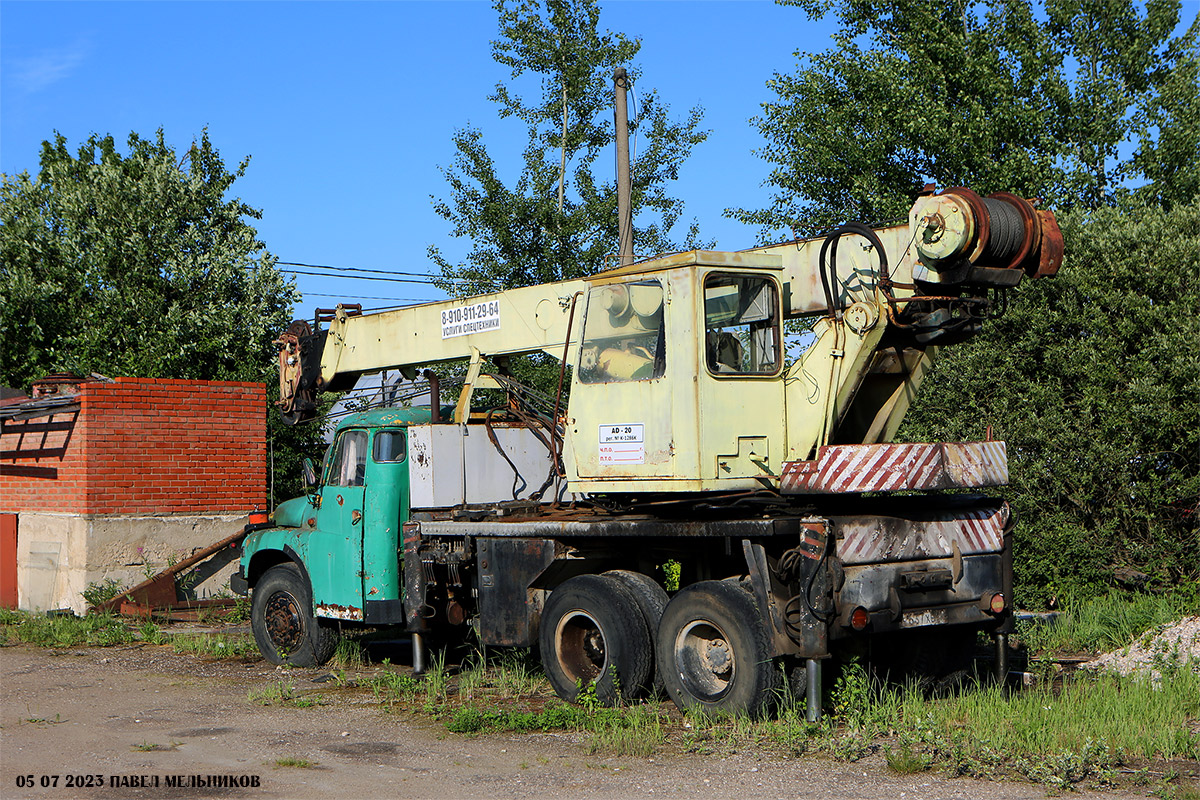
point(1092, 379)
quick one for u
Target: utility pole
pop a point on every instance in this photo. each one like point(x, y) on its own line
point(624, 209)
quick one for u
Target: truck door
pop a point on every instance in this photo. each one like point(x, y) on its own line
point(741, 394)
point(385, 510)
point(335, 547)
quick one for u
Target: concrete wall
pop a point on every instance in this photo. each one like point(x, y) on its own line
point(59, 555)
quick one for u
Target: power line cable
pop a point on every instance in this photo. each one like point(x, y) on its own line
point(369, 297)
point(370, 277)
point(433, 278)
point(358, 269)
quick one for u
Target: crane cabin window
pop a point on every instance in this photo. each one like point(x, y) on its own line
point(623, 337)
point(741, 325)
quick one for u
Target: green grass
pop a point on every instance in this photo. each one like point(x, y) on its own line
point(1101, 624)
point(509, 674)
point(96, 630)
point(213, 645)
point(296, 763)
point(349, 654)
point(906, 761)
point(282, 694)
point(107, 630)
point(1084, 730)
point(634, 731)
point(393, 687)
point(102, 591)
point(429, 690)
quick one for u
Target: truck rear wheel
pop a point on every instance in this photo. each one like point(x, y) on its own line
point(713, 651)
point(282, 619)
point(651, 601)
point(592, 633)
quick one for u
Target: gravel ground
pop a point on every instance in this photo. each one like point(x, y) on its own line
point(136, 717)
point(1178, 643)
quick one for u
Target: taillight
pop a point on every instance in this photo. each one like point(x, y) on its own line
point(859, 619)
point(259, 518)
point(993, 603)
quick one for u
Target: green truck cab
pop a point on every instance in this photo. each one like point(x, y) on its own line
point(333, 555)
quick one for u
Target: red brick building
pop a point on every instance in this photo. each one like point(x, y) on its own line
point(109, 479)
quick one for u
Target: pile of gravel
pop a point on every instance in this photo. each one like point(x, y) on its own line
point(1177, 643)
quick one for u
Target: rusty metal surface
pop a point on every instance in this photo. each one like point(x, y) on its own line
point(771, 595)
point(335, 611)
point(283, 618)
point(885, 622)
point(614, 527)
point(876, 587)
point(873, 538)
point(1050, 254)
point(890, 467)
point(1029, 220)
point(159, 591)
point(982, 219)
point(509, 609)
point(178, 611)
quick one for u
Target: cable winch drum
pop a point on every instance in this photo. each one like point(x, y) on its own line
point(1007, 232)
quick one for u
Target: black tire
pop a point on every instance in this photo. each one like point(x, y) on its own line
point(281, 615)
point(713, 651)
point(651, 601)
point(593, 633)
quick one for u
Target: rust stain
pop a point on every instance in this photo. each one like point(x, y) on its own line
point(339, 612)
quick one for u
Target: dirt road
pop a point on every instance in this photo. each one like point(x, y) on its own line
point(143, 722)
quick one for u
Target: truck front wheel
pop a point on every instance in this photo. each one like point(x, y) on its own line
point(713, 651)
point(282, 619)
point(593, 634)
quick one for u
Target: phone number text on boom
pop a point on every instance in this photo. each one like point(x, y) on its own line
point(474, 318)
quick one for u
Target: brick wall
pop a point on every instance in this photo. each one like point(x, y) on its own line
point(141, 445)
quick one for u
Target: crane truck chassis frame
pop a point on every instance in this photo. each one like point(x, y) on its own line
point(798, 528)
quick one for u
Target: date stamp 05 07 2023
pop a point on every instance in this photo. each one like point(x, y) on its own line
point(171, 781)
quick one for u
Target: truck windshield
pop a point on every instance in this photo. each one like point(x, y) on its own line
point(349, 465)
point(623, 333)
point(741, 325)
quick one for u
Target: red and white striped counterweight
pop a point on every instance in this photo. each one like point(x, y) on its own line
point(846, 468)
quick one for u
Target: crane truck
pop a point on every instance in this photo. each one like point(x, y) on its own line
point(769, 482)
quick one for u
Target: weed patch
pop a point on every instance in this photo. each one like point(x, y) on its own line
point(98, 630)
point(1100, 624)
point(213, 645)
point(282, 694)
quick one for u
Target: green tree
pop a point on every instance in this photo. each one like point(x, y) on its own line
point(137, 265)
point(559, 220)
point(1040, 97)
point(1093, 381)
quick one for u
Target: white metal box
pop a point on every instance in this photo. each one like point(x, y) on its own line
point(450, 465)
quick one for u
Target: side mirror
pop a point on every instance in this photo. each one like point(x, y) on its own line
point(310, 475)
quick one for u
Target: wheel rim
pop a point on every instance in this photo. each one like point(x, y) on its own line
point(284, 623)
point(705, 659)
point(580, 647)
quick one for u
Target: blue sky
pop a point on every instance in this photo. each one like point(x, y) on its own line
point(347, 109)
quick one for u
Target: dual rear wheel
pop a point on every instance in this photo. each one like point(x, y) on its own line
point(707, 647)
